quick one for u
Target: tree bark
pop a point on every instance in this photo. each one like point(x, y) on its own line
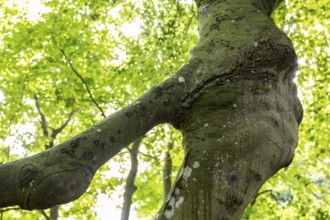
point(241, 122)
point(130, 187)
point(234, 101)
point(62, 174)
point(167, 171)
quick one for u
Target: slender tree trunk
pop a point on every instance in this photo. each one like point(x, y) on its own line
point(54, 212)
point(167, 172)
point(130, 187)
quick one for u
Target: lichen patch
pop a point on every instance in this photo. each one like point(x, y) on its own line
point(186, 173)
point(196, 164)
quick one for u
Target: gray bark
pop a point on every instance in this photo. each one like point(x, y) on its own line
point(240, 120)
point(167, 171)
point(130, 187)
point(62, 174)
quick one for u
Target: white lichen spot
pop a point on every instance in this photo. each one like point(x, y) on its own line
point(232, 20)
point(218, 139)
point(206, 124)
point(179, 202)
point(194, 179)
point(157, 216)
point(224, 126)
point(196, 164)
point(169, 213)
point(181, 80)
point(98, 130)
point(186, 173)
point(176, 191)
point(234, 105)
point(236, 143)
point(171, 202)
point(255, 44)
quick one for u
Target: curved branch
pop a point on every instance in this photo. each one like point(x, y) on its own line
point(43, 121)
point(56, 131)
point(260, 193)
point(83, 81)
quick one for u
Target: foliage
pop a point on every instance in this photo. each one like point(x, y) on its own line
point(121, 49)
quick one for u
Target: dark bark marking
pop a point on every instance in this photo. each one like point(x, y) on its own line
point(168, 207)
point(75, 143)
point(232, 177)
point(112, 139)
point(29, 172)
point(139, 110)
point(168, 86)
point(157, 91)
point(88, 155)
point(71, 152)
point(98, 143)
point(129, 114)
point(167, 102)
point(119, 131)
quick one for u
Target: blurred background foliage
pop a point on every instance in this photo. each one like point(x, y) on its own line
point(84, 57)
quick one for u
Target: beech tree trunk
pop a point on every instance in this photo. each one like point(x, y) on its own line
point(234, 101)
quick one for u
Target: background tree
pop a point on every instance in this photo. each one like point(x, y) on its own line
point(163, 48)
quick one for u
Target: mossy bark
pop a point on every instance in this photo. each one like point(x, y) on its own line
point(240, 119)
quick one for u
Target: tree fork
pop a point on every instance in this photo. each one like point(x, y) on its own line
point(234, 102)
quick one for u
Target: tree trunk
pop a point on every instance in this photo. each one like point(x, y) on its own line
point(130, 187)
point(234, 102)
point(53, 215)
point(241, 122)
point(167, 171)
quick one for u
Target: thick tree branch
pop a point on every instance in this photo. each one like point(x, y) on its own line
point(62, 174)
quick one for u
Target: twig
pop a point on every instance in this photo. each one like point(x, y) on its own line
point(43, 121)
point(83, 81)
point(44, 214)
point(56, 131)
point(263, 192)
point(8, 209)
